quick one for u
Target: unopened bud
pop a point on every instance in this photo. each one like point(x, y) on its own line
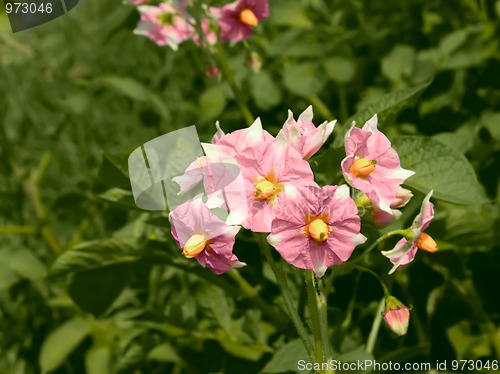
point(396, 315)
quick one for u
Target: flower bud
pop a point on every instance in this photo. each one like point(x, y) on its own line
point(382, 218)
point(402, 198)
point(212, 72)
point(254, 62)
point(396, 315)
point(363, 200)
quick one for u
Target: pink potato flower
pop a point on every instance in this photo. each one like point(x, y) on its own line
point(372, 166)
point(317, 228)
point(303, 135)
point(404, 252)
point(271, 170)
point(202, 235)
point(236, 22)
point(163, 25)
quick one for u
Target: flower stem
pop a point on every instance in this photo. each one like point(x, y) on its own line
point(404, 232)
point(372, 338)
point(315, 316)
point(282, 284)
point(228, 74)
point(386, 290)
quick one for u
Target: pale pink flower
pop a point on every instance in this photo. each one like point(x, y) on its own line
point(372, 166)
point(404, 252)
point(228, 145)
point(303, 135)
point(396, 315)
point(271, 170)
point(163, 25)
point(204, 236)
point(317, 228)
point(236, 22)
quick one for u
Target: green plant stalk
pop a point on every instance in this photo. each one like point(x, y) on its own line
point(31, 190)
point(228, 74)
point(314, 308)
point(372, 338)
point(290, 308)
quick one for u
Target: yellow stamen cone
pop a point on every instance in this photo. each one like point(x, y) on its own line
point(263, 190)
point(194, 246)
point(426, 243)
point(362, 167)
point(319, 230)
point(248, 17)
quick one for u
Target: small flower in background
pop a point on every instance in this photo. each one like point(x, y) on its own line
point(404, 252)
point(212, 72)
point(372, 166)
point(163, 25)
point(396, 315)
point(303, 135)
point(202, 235)
point(236, 22)
point(317, 228)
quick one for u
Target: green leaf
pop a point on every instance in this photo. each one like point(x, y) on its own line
point(340, 69)
point(114, 169)
point(61, 342)
point(126, 86)
point(163, 353)
point(134, 90)
point(389, 105)
point(287, 358)
point(399, 63)
point(303, 79)
point(212, 102)
point(7, 277)
point(468, 346)
point(265, 91)
point(95, 290)
point(120, 197)
point(440, 168)
point(96, 254)
point(289, 14)
point(97, 360)
point(24, 263)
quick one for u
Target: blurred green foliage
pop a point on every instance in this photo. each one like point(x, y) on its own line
point(88, 283)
